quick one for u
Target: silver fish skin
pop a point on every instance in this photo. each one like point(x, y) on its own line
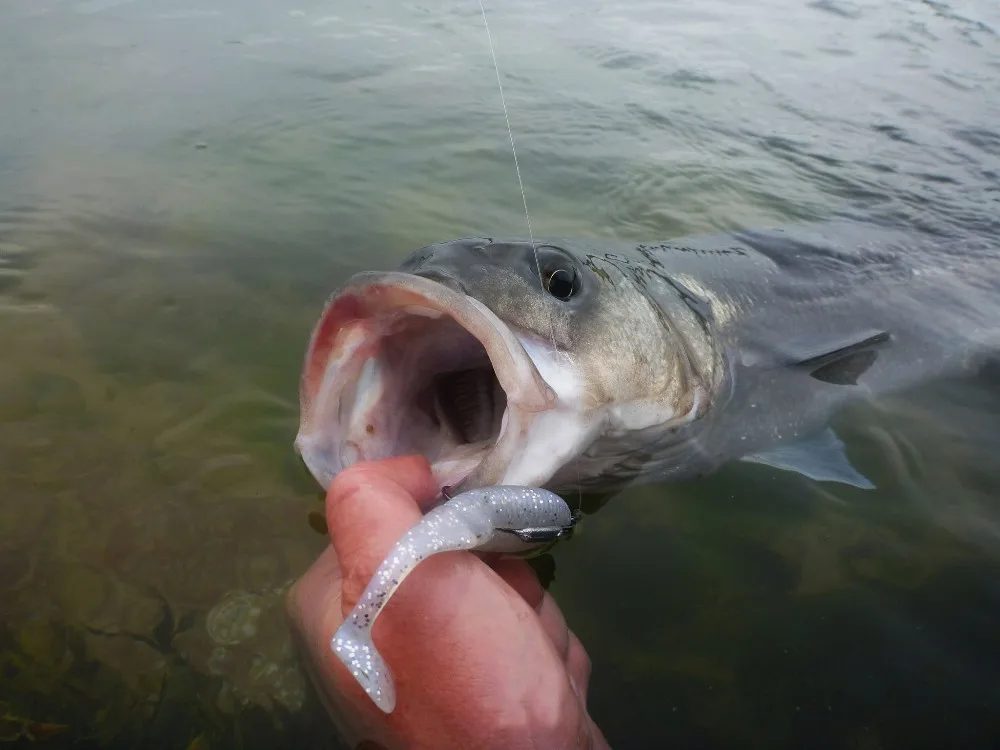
point(497, 519)
point(572, 364)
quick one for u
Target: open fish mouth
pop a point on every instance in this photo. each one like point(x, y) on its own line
point(400, 364)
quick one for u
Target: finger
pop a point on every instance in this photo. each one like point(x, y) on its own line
point(520, 577)
point(579, 666)
point(313, 602)
point(411, 473)
point(368, 508)
point(554, 625)
point(594, 739)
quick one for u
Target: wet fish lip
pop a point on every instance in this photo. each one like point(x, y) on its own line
point(374, 295)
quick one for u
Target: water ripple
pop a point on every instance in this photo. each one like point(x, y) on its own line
point(184, 185)
point(838, 8)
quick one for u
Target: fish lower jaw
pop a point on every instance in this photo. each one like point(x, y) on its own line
point(551, 443)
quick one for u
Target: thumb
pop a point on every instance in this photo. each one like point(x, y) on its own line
point(369, 506)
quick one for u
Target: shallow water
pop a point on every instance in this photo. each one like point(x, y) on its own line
point(181, 186)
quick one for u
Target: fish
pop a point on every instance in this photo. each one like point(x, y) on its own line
point(505, 520)
point(576, 365)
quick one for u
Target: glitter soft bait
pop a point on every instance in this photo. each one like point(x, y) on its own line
point(508, 520)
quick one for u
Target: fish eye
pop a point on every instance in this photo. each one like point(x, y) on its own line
point(560, 283)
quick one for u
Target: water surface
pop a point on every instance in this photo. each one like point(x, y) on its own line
point(182, 185)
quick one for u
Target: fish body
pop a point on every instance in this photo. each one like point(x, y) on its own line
point(574, 364)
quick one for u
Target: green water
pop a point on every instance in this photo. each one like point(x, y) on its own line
point(181, 186)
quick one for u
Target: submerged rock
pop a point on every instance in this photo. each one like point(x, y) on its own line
point(234, 619)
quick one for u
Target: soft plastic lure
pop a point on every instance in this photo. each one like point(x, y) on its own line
point(493, 519)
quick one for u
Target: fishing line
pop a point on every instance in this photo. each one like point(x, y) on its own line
point(513, 149)
point(520, 184)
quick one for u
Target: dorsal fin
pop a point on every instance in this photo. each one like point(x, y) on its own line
point(843, 361)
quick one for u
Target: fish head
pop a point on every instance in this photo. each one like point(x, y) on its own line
point(502, 362)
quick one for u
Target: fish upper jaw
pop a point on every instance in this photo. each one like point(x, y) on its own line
point(400, 364)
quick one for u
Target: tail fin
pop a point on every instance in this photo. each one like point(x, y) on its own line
point(356, 650)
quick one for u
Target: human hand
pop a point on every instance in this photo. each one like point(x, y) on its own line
point(480, 654)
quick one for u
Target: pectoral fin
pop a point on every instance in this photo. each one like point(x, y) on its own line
point(821, 457)
point(843, 361)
